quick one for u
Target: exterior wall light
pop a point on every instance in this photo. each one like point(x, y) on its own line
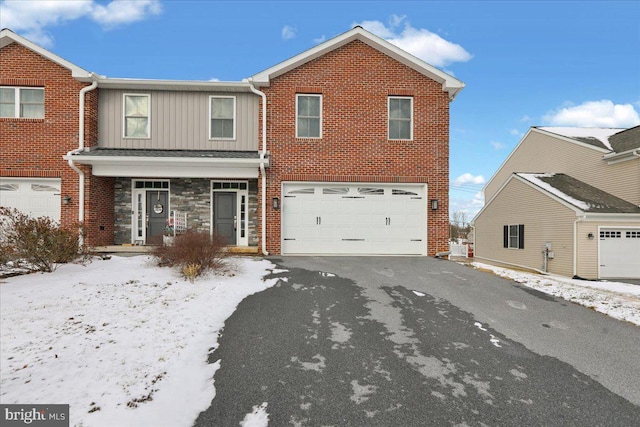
point(434, 204)
point(590, 236)
point(66, 200)
point(275, 202)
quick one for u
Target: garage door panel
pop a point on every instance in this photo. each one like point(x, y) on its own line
point(353, 219)
point(619, 253)
point(33, 196)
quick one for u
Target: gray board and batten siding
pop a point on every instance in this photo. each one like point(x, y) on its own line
point(179, 121)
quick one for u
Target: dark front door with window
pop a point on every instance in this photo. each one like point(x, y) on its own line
point(157, 214)
point(225, 216)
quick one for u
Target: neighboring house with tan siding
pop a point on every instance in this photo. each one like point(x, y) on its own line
point(566, 202)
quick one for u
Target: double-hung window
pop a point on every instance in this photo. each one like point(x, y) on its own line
point(137, 115)
point(223, 117)
point(308, 116)
point(22, 102)
point(513, 236)
point(400, 117)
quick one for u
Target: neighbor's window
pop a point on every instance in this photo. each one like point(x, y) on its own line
point(22, 102)
point(513, 236)
point(308, 116)
point(137, 117)
point(223, 117)
point(400, 117)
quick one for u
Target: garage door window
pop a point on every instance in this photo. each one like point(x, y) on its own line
point(42, 187)
point(335, 190)
point(8, 187)
point(610, 235)
point(633, 234)
point(370, 191)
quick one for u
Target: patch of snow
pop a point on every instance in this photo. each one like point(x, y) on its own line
point(420, 294)
point(615, 299)
point(479, 326)
point(258, 417)
point(601, 134)
point(122, 341)
point(534, 179)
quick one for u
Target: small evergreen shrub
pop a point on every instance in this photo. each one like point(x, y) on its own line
point(38, 241)
point(193, 253)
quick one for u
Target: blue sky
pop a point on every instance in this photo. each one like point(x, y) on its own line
point(525, 64)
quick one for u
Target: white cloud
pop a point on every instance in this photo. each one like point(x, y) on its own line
point(525, 118)
point(422, 43)
point(288, 32)
point(119, 12)
point(468, 178)
point(498, 145)
point(470, 206)
point(602, 113)
point(320, 39)
point(515, 132)
point(32, 18)
point(214, 79)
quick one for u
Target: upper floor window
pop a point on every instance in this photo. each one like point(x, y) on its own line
point(223, 117)
point(137, 115)
point(22, 102)
point(308, 116)
point(400, 117)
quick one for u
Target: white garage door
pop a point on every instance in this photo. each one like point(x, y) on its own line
point(354, 219)
point(33, 196)
point(620, 253)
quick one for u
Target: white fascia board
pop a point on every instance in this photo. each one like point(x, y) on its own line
point(572, 140)
point(609, 217)
point(181, 85)
point(541, 190)
point(613, 158)
point(449, 83)
point(159, 161)
point(7, 37)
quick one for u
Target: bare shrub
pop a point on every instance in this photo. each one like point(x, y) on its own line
point(193, 253)
point(38, 241)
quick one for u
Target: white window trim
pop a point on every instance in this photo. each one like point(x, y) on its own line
point(124, 117)
point(16, 102)
point(410, 98)
point(298, 95)
point(233, 138)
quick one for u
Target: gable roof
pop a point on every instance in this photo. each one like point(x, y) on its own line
point(598, 137)
point(7, 37)
point(449, 83)
point(626, 140)
point(580, 195)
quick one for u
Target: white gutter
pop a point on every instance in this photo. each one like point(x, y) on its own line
point(263, 174)
point(80, 148)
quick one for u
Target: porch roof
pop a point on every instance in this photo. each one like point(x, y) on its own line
point(171, 163)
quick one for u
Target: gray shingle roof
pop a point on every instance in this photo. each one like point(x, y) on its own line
point(580, 194)
point(626, 140)
point(212, 154)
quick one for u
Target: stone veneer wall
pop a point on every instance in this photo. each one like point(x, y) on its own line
point(191, 195)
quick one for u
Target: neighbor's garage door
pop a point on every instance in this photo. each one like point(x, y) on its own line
point(620, 253)
point(354, 219)
point(33, 196)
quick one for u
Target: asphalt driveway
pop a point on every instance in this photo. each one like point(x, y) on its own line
point(412, 341)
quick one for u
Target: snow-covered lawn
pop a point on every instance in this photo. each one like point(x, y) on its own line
point(619, 300)
point(122, 341)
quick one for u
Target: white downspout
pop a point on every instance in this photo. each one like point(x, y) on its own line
point(80, 148)
point(263, 174)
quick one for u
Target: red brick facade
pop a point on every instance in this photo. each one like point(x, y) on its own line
point(34, 147)
point(355, 81)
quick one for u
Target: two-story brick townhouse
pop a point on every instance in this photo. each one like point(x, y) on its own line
point(41, 99)
point(566, 201)
point(358, 133)
point(341, 149)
